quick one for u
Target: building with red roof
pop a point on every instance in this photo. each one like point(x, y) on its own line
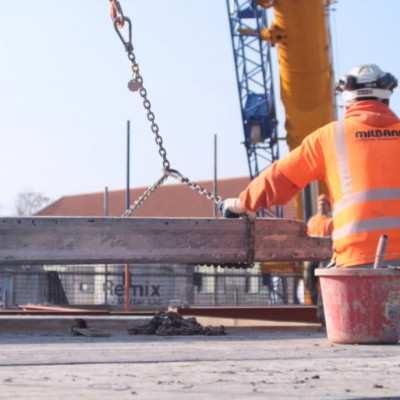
point(169, 200)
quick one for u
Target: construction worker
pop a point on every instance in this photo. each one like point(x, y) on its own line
point(318, 225)
point(358, 160)
point(321, 223)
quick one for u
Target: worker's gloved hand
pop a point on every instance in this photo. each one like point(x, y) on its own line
point(231, 208)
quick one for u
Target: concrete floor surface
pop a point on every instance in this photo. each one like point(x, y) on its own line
point(270, 362)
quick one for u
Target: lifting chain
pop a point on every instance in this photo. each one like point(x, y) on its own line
point(136, 84)
point(144, 196)
point(201, 190)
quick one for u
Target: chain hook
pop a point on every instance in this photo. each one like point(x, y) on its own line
point(115, 10)
point(174, 174)
point(127, 43)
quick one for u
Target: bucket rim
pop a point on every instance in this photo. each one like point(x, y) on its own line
point(353, 271)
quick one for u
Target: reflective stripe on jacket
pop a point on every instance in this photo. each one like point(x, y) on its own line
point(366, 191)
point(358, 158)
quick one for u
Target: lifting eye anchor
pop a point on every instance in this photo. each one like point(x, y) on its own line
point(127, 43)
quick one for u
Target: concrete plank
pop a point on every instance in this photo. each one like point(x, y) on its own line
point(65, 240)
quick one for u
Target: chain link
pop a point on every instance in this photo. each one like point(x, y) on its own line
point(144, 196)
point(195, 186)
point(154, 128)
point(142, 91)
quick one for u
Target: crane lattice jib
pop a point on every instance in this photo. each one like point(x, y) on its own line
point(255, 84)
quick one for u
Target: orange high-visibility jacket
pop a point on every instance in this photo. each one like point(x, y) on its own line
point(358, 158)
point(319, 225)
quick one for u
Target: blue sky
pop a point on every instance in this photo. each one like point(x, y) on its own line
point(64, 102)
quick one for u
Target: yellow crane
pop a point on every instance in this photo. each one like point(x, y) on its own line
point(301, 31)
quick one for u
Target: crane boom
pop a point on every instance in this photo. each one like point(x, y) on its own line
point(306, 74)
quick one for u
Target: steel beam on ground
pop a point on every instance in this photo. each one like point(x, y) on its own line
point(66, 240)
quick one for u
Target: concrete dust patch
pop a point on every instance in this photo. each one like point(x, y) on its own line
point(268, 363)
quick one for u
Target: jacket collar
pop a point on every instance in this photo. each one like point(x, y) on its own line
point(373, 113)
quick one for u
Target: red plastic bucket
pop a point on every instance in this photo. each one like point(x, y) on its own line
point(361, 305)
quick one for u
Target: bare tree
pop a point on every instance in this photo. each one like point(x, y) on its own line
point(29, 203)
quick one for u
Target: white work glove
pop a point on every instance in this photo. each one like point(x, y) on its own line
point(231, 208)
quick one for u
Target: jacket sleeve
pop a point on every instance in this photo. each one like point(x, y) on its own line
point(286, 177)
point(269, 188)
point(306, 163)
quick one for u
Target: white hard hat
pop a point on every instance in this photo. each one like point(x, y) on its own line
point(366, 81)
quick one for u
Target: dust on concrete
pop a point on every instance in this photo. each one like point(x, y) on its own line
point(288, 362)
